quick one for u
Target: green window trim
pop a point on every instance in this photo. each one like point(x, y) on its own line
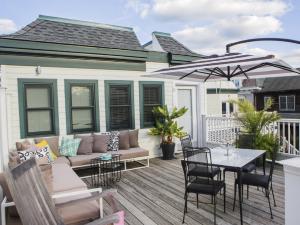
point(22, 106)
point(107, 101)
point(68, 97)
point(141, 94)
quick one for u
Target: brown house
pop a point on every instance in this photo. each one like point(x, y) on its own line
point(285, 92)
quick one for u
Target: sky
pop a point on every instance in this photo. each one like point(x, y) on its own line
point(204, 26)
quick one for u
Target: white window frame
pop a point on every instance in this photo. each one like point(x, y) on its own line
point(286, 96)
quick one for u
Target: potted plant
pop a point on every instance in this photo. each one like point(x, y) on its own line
point(167, 128)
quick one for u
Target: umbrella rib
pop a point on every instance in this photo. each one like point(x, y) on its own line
point(241, 70)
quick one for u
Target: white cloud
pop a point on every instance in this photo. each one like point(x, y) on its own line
point(187, 10)
point(142, 8)
point(292, 57)
point(7, 26)
point(214, 36)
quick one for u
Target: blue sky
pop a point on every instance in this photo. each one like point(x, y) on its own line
point(205, 26)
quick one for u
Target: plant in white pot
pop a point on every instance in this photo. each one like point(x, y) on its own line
point(167, 128)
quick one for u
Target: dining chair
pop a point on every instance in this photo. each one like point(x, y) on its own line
point(193, 169)
point(259, 180)
point(205, 184)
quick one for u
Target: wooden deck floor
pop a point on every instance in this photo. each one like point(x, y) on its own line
point(154, 195)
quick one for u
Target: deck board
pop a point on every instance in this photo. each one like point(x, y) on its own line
point(154, 195)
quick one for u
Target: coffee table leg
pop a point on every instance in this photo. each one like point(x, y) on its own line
point(240, 194)
point(264, 162)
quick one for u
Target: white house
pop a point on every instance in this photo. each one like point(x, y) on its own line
point(52, 61)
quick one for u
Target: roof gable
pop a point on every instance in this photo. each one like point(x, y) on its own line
point(74, 32)
point(281, 84)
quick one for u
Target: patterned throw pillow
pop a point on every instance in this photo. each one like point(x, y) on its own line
point(26, 154)
point(44, 150)
point(69, 146)
point(114, 141)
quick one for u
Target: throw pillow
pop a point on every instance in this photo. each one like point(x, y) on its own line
point(134, 138)
point(114, 141)
point(28, 153)
point(44, 150)
point(124, 140)
point(53, 143)
point(69, 146)
point(86, 144)
point(101, 142)
point(23, 145)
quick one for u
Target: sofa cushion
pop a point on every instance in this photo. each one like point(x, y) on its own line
point(124, 140)
point(23, 145)
point(133, 153)
point(134, 138)
point(53, 143)
point(86, 144)
point(65, 179)
point(81, 160)
point(62, 159)
point(101, 142)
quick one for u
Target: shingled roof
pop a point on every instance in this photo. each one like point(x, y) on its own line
point(75, 32)
point(171, 45)
point(281, 84)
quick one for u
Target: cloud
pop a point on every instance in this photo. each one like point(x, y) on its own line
point(141, 8)
point(187, 10)
point(7, 26)
point(214, 36)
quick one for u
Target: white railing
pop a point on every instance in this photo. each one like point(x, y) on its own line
point(220, 130)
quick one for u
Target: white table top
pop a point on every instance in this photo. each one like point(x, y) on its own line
point(237, 158)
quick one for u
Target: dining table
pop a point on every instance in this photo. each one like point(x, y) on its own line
point(235, 158)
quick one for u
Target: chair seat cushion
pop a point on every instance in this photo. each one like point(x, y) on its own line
point(202, 171)
point(204, 186)
point(132, 153)
point(61, 160)
point(255, 180)
point(81, 160)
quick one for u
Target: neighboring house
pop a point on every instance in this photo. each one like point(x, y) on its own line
point(285, 92)
point(219, 95)
point(62, 76)
point(247, 87)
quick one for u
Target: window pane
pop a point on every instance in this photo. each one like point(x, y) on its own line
point(223, 108)
point(39, 121)
point(82, 119)
point(81, 96)
point(120, 118)
point(290, 102)
point(282, 102)
point(230, 107)
point(152, 95)
point(148, 116)
point(119, 95)
point(37, 97)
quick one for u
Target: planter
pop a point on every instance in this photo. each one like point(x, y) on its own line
point(168, 151)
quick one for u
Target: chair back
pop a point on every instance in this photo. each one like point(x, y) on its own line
point(273, 157)
point(33, 202)
point(245, 140)
point(186, 145)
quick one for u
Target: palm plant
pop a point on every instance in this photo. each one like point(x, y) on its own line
point(166, 125)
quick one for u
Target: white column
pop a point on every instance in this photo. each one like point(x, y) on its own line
point(3, 129)
point(201, 109)
point(292, 187)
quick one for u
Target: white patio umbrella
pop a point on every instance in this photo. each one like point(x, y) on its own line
point(227, 67)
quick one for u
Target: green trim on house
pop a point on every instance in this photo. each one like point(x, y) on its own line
point(141, 95)
point(222, 91)
point(71, 63)
point(22, 106)
point(107, 83)
point(179, 59)
point(161, 57)
point(94, 84)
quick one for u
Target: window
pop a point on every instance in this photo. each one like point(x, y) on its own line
point(287, 103)
point(151, 95)
point(231, 108)
point(119, 104)
point(224, 108)
point(266, 99)
point(82, 106)
point(38, 107)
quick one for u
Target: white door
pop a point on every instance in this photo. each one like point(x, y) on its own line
point(186, 97)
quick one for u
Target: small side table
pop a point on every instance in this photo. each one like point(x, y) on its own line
point(106, 172)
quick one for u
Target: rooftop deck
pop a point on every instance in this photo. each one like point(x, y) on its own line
point(154, 195)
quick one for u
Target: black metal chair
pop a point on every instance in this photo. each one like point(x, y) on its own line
point(196, 170)
point(259, 180)
point(244, 140)
point(202, 184)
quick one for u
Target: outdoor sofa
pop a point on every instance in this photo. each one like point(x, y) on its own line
point(61, 179)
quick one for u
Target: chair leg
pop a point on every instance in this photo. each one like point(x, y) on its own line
point(215, 210)
point(224, 196)
point(268, 197)
point(197, 201)
point(273, 195)
point(234, 198)
point(185, 206)
point(247, 191)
